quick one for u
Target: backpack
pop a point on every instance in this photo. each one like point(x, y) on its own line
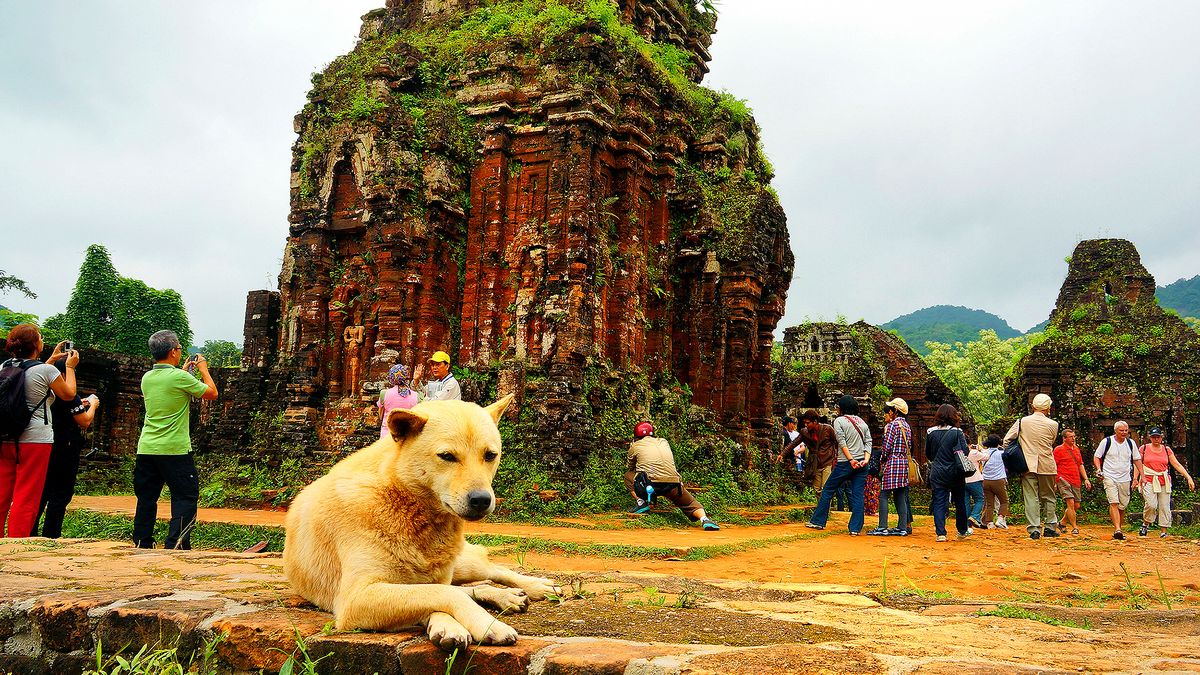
point(1108, 443)
point(15, 412)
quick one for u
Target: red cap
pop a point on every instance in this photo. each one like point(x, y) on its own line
point(643, 429)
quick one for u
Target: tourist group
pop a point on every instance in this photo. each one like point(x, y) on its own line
point(842, 464)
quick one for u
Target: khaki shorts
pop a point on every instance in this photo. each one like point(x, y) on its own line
point(1117, 493)
point(1069, 491)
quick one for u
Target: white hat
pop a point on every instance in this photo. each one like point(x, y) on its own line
point(1042, 402)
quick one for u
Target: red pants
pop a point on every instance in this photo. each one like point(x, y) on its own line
point(21, 485)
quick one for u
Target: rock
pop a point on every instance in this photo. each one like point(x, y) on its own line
point(847, 600)
point(1072, 576)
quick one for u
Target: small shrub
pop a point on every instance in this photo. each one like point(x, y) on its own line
point(1157, 331)
point(1105, 329)
point(827, 376)
point(1079, 314)
point(1087, 359)
point(1141, 349)
point(1116, 354)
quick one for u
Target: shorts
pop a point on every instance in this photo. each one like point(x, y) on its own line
point(1069, 491)
point(1117, 493)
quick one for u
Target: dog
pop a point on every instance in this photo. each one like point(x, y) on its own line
point(379, 541)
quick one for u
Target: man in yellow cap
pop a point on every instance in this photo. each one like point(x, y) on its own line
point(441, 385)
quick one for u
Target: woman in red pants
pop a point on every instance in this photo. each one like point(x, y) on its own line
point(23, 463)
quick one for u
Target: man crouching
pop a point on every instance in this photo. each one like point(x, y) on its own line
point(379, 539)
point(652, 473)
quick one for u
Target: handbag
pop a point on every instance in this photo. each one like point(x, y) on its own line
point(914, 472)
point(965, 465)
point(1014, 456)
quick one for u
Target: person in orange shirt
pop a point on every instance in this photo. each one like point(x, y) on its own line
point(1071, 473)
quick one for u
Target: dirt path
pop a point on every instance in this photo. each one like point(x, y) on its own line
point(996, 565)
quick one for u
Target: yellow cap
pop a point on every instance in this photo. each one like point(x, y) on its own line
point(440, 356)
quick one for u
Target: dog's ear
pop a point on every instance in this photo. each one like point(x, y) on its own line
point(496, 410)
point(402, 422)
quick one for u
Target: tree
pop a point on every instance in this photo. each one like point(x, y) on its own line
point(222, 354)
point(9, 282)
point(975, 371)
point(117, 314)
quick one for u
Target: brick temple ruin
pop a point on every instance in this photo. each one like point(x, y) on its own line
point(1111, 353)
point(556, 208)
point(821, 362)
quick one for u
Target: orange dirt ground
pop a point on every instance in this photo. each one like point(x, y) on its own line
point(996, 565)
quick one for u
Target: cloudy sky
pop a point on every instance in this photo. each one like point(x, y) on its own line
point(926, 152)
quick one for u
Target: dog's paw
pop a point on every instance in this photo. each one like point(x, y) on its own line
point(499, 633)
point(503, 599)
point(447, 633)
point(538, 588)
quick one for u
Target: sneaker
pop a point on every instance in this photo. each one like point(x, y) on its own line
point(1074, 530)
point(941, 537)
point(709, 525)
point(1001, 523)
point(975, 522)
point(1050, 532)
point(879, 532)
point(964, 535)
point(1162, 535)
point(814, 526)
point(970, 530)
point(1035, 535)
point(644, 507)
point(650, 494)
point(1144, 529)
point(1119, 535)
point(1062, 528)
point(855, 534)
point(897, 532)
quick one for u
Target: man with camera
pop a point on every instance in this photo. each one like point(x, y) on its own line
point(164, 454)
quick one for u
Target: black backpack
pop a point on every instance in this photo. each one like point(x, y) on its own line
point(15, 412)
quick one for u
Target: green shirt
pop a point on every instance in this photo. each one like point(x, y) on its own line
point(168, 392)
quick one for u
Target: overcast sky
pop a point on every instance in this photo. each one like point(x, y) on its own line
point(926, 153)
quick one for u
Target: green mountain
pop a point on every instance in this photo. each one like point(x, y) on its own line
point(1183, 296)
point(947, 323)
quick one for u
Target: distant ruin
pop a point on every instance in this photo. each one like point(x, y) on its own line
point(820, 362)
point(1111, 353)
point(550, 197)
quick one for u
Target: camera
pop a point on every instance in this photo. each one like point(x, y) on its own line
point(68, 345)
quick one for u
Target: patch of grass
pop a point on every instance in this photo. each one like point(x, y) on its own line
point(625, 551)
point(1014, 612)
point(84, 524)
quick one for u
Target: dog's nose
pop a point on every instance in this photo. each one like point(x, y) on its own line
point(480, 501)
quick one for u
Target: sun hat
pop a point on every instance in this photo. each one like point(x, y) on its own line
point(899, 404)
point(440, 356)
point(1042, 402)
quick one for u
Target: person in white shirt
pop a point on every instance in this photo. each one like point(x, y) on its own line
point(441, 385)
point(1118, 463)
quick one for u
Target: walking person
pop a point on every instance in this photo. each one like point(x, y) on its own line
point(398, 395)
point(821, 441)
point(1157, 460)
point(1116, 459)
point(1036, 433)
point(995, 484)
point(71, 418)
point(943, 443)
point(1071, 473)
point(164, 453)
point(974, 487)
point(854, 453)
point(27, 419)
point(893, 469)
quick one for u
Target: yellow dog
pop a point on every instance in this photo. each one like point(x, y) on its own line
point(379, 539)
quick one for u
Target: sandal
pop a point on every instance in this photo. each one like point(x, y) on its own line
point(1075, 530)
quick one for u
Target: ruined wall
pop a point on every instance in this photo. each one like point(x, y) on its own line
point(820, 362)
point(1111, 353)
point(547, 195)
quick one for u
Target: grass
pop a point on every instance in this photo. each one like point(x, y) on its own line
point(1014, 612)
point(84, 524)
point(522, 545)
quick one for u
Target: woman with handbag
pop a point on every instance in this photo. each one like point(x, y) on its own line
point(946, 448)
point(995, 484)
point(893, 469)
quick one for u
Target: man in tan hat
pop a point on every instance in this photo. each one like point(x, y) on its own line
point(441, 385)
point(1037, 433)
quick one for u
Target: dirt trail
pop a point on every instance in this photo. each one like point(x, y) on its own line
point(1004, 565)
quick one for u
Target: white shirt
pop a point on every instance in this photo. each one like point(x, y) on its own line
point(1117, 464)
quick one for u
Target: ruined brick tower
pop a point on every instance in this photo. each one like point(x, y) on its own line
point(1111, 353)
point(542, 189)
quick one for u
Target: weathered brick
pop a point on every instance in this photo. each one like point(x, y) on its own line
point(265, 639)
point(601, 657)
point(62, 619)
point(166, 623)
point(353, 653)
